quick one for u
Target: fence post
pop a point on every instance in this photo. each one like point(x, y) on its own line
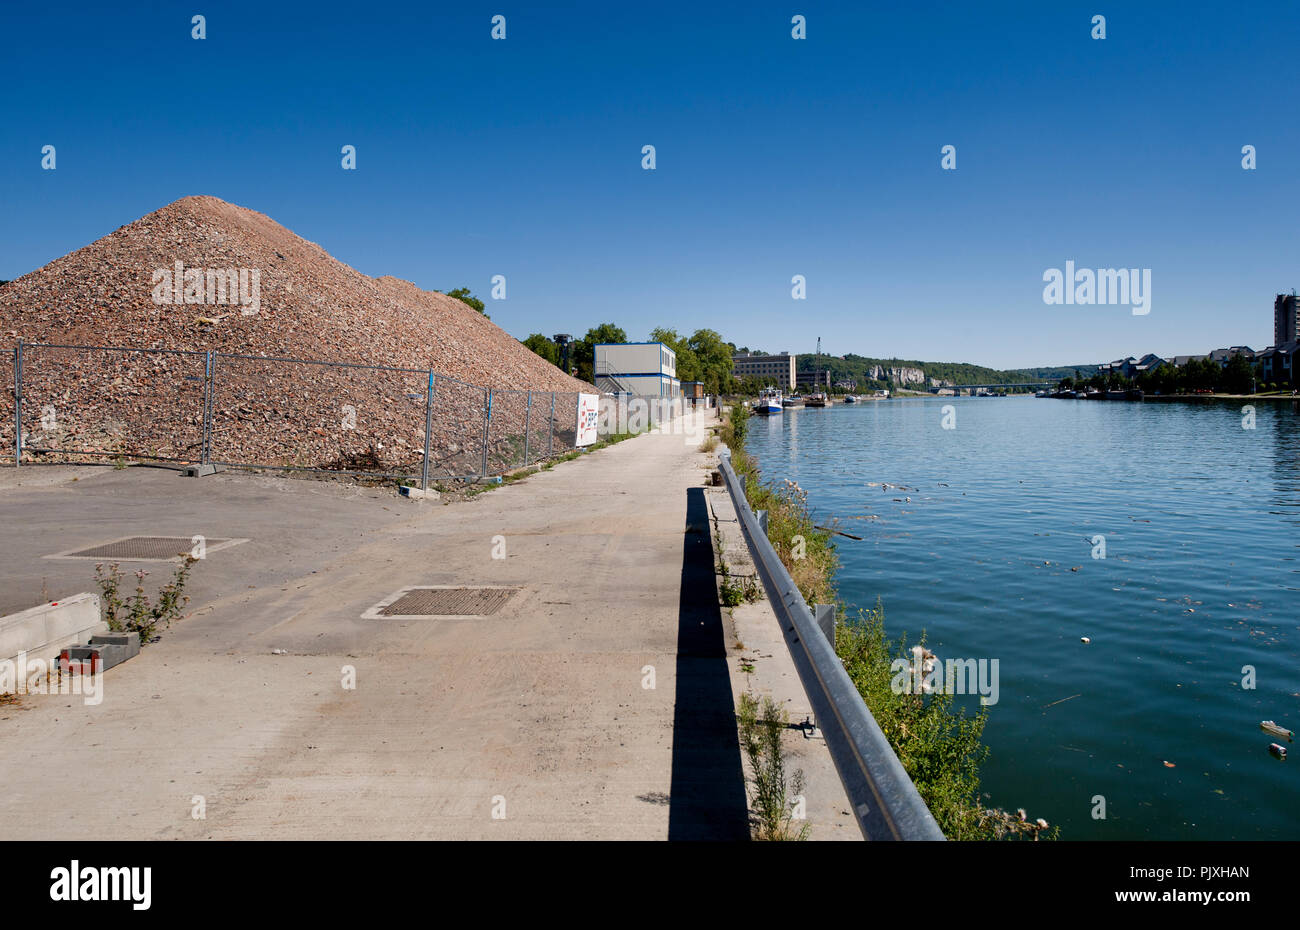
point(212, 403)
point(205, 444)
point(528, 414)
point(550, 439)
point(428, 431)
point(18, 404)
point(487, 419)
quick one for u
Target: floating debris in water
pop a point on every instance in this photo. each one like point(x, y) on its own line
point(1169, 765)
point(1084, 639)
point(1277, 750)
point(1272, 729)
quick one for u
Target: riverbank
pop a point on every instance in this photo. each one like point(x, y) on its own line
point(939, 744)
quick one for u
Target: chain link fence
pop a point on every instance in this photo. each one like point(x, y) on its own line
point(72, 403)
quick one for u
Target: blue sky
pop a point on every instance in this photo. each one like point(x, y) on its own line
point(775, 157)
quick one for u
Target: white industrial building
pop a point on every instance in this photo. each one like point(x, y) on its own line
point(646, 369)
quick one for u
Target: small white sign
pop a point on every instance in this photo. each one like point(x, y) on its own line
point(588, 416)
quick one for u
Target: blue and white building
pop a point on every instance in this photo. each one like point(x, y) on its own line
point(646, 369)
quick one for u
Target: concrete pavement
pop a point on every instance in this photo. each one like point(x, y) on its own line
point(538, 722)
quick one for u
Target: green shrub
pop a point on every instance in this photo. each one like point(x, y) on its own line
point(939, 746)
point(135, 614)
point(761, 727)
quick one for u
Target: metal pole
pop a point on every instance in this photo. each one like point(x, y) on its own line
point(18, 404)
point(528, 413)
point(550, 440)
point(212, 404)
point(428, 431)
point(487, 418)
point(205, 449)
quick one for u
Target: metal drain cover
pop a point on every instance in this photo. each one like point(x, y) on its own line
point(149, 548)
point(441, 602)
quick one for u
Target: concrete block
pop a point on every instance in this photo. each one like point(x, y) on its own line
point(199, 471)
point(416, 494)
point(104, 651)
point(116, 648)
point(45, 630)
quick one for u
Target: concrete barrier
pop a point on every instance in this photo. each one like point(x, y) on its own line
point(45, 630)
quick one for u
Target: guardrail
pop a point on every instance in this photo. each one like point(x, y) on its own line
point(884, 801)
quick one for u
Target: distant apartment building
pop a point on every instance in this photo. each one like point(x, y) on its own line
point(817, 380)
point(646, 369)
point(1222, 356)
point(1131, 367)
point(773, 369)
point(1286, 322)
point(1277, 363)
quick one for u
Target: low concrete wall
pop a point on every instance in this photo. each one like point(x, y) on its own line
point(42, 631)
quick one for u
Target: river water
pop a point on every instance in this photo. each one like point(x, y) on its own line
point(993, 556)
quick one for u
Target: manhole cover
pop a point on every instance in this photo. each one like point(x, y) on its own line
point(442, 602)
point(150, 548)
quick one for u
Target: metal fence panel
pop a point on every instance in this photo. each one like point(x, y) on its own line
point(284, 413)
point(565, 422)
point(7, 401)
point(101, 402)
point(506, 431)
point(456, 440)
point(84, 403)
point(539, 425)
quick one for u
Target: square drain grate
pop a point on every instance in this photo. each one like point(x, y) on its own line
point(445, 602)
point(149, 548)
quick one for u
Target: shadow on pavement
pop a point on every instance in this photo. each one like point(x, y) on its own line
point(707, 800)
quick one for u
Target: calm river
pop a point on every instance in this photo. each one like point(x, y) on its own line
point(993, 555)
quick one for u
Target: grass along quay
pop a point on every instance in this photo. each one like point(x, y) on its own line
point(939, 745)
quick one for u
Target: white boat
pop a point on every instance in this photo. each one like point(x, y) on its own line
point(769, 402)
point(850, 398)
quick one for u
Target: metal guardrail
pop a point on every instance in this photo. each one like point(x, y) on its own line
point(885, 803)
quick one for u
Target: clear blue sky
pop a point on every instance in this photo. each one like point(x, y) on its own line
point(775, 157)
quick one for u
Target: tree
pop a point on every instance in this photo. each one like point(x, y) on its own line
point(464, 296)
point(712, 356)
point(584, 352)
point(544, 347)
point(1237, 375)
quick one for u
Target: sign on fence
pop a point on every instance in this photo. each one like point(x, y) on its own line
point(588, 417)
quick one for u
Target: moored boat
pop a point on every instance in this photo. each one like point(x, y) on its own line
point(769, 402)
point(817, 400)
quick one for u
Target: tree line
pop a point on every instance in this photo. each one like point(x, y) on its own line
point(703, 356)
point(1199, 375)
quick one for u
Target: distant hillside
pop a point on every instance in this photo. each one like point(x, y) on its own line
point(870, 372)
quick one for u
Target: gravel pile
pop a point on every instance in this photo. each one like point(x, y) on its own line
point(308, 306)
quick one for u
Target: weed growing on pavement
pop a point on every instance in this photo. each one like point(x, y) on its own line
point(135, 613)
point(761, 727)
